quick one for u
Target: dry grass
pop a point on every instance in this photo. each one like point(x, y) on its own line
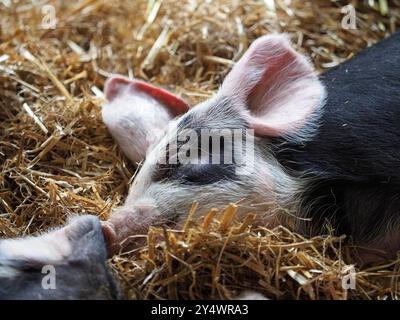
point(220, 257)
point(57, 158)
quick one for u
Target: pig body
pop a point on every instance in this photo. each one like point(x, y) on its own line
point(352, 164)
point(324, 149)
point(69, 263)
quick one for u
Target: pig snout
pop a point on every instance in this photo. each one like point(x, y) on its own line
point(127, 228)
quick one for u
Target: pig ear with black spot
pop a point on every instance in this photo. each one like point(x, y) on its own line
point(277, 85)
point(137, 113)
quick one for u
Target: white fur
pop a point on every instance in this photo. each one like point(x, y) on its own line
point(50, 248)
point(135, 120)
point(8, 272)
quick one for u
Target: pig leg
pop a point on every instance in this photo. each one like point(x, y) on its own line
point(368, 213)
point(372, 215)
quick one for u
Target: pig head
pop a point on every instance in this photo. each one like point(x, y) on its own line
point(69, 263)
point(272, 91)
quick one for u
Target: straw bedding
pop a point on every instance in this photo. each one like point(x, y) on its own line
point(57, 158)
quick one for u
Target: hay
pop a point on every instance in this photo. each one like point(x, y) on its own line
point(219, 258)
point(57, 158)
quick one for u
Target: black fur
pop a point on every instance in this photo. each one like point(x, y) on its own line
point(354, 160)
point(203, 174)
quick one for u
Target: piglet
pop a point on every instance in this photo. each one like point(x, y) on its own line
point(68, 263)
point(324, 149)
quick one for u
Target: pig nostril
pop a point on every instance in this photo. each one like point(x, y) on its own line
point(110, 238)
point(109, 233)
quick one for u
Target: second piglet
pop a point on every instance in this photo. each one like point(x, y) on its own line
point(67, 263)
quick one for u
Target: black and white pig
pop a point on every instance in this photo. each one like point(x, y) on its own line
point(68, 263)
point(326, 149)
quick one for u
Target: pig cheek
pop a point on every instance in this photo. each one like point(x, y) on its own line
point(260, 179)
point(263, 195)
point(142, 183)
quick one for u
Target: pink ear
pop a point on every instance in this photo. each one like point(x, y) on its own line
point(137, 113)
point(115, 85)
point(277, 85)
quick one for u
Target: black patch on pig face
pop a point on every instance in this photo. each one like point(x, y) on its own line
point(220, 115)
point(192, 174)
point(197, 174)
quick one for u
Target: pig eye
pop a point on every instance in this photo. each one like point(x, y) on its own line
point(206, 174)
point(198, 174)
point(193, 174)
